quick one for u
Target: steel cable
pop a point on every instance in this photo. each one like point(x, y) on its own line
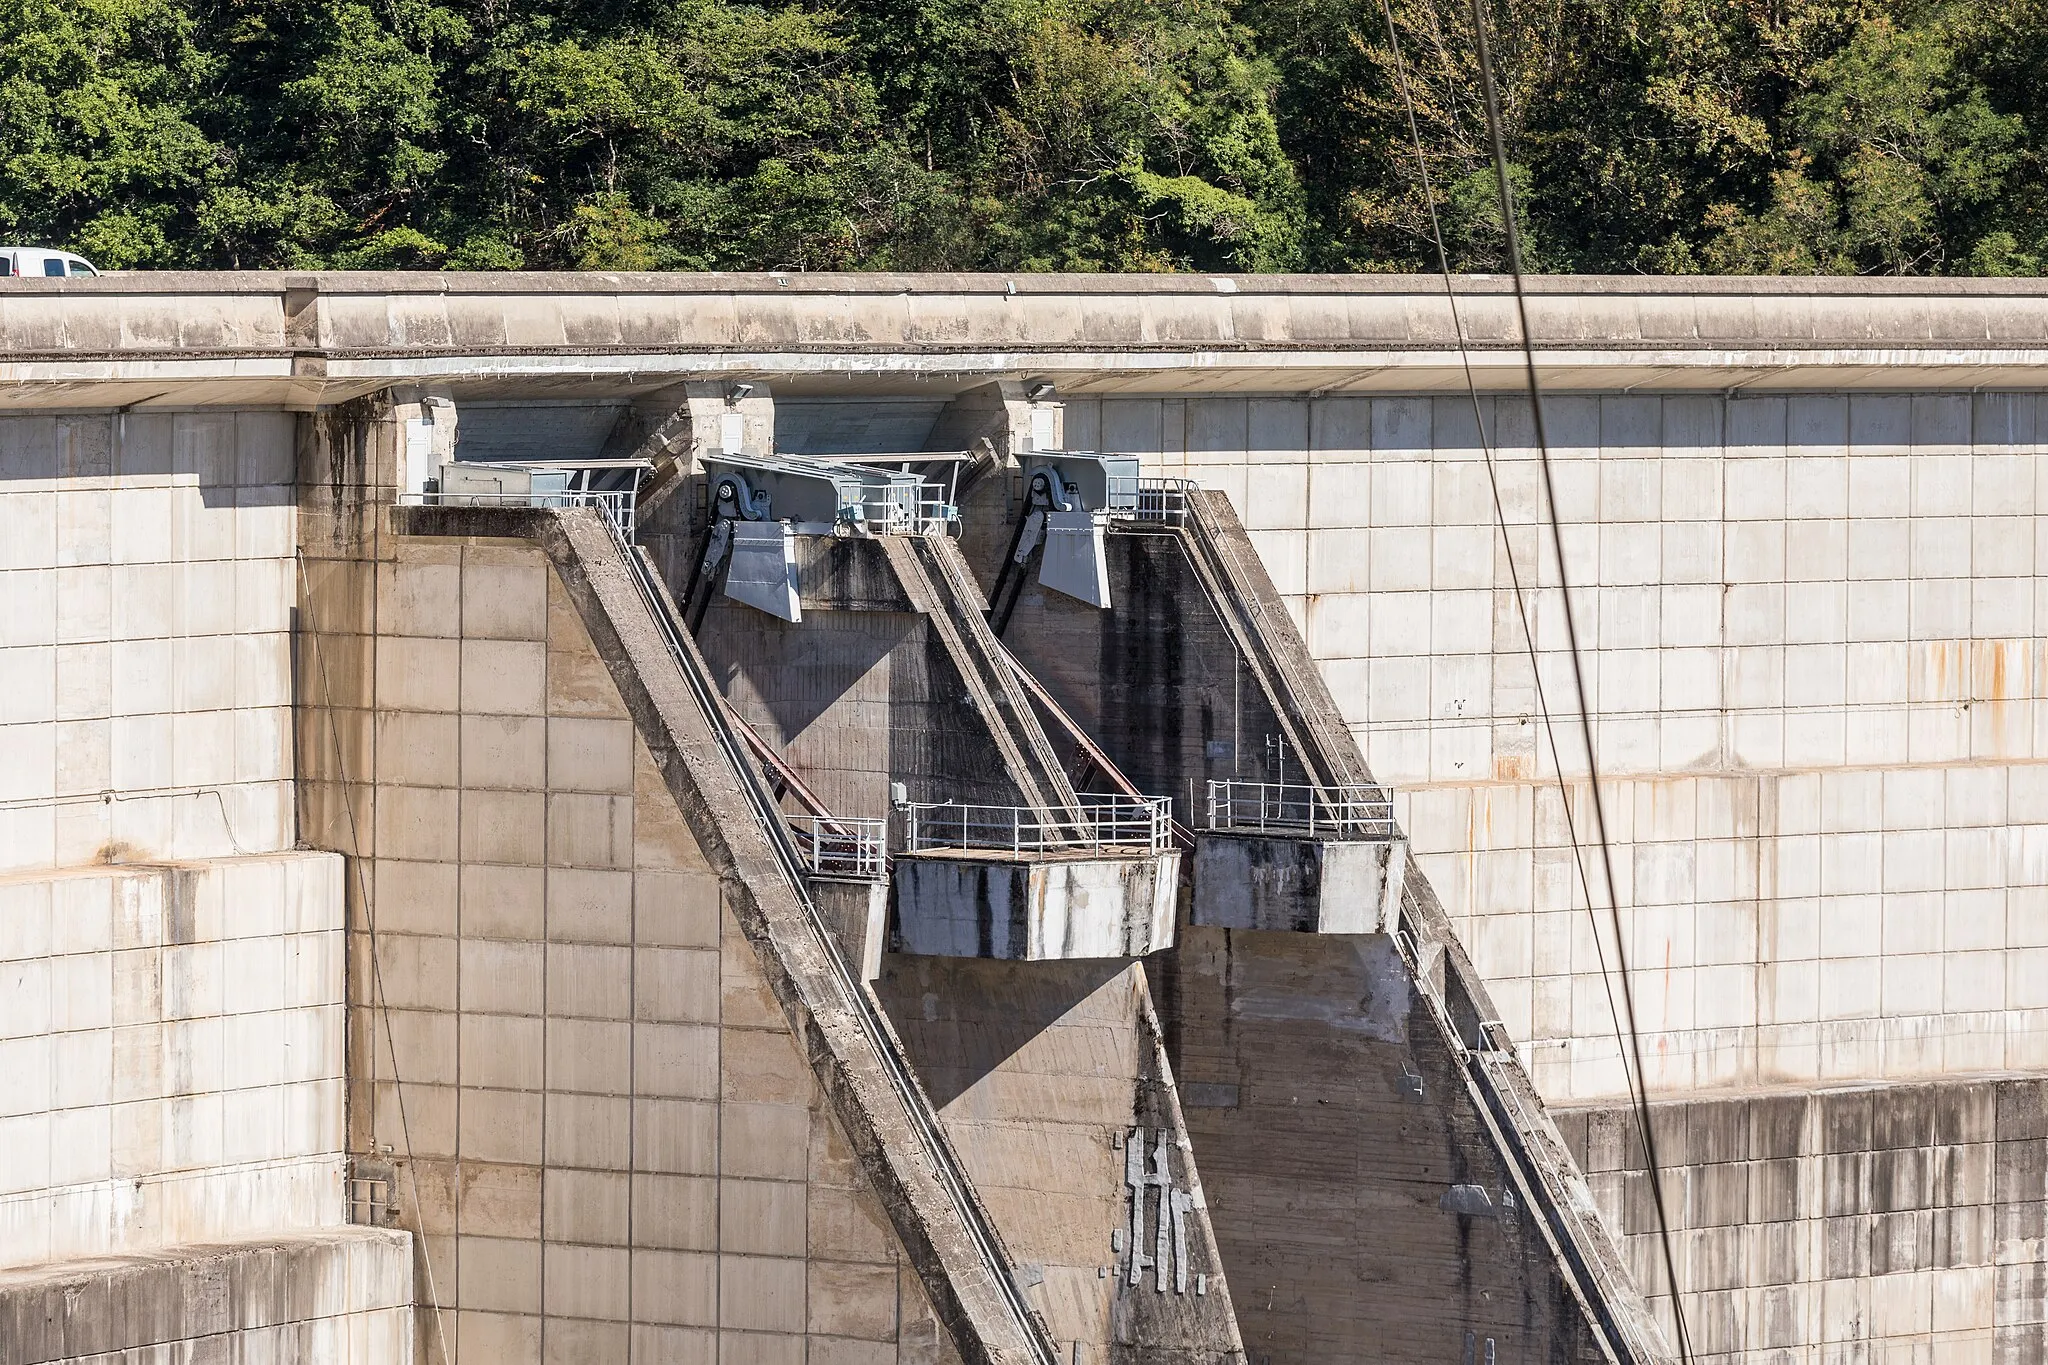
point(1626, 1033)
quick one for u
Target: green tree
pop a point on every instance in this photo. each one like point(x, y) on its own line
point(1897, 153)
point(96, 112)
point(1644, 135)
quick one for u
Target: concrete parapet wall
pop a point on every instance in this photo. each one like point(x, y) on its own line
point(309, 338)
point(171, 1047)
point(145, 610)
point(1857, 1224)
point(341, 1296)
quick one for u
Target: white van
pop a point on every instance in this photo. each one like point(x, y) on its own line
point(37, 260)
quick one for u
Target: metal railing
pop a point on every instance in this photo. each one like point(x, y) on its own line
point(928, 514)
point(1152, 500)
point(1363, 811)
point(616, 504)
point(1099, 822)
point(833, 846)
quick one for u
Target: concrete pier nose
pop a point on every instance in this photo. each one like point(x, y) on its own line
point(1034, 907)
point(1316, 886)
point(1299, 857)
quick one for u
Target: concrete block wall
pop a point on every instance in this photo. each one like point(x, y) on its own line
point(1894, 1224)
point(1754, 572)
point(1784, 929)
point(172, 1006)
point(171, 1043)
point(1814, 639)
point(145, 609)
point(593, 1108)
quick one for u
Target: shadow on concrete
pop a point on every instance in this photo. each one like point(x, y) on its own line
point(799, 672)
point(1349, 427)
point(233, 459)
point(961, 1019)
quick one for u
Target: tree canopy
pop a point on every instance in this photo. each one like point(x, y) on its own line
point(1752, 136)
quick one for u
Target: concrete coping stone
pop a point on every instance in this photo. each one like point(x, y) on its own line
point(99, 1304)
point(339, 1238)
point(885, 283)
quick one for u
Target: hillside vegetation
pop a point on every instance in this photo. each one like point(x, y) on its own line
point(1647, 135)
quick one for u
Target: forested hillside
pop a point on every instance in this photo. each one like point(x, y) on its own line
point(1880, 136)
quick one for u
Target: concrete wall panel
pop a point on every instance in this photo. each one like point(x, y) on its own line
point(1837, 1223)
point(615, 1135)
point(339, 1297)
point(145, 651)
point(1789, 605)
point(1047, 1075)
point(173, 1054)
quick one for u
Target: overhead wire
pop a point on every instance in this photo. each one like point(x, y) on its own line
point(1521, 600)
point(1511, 231)
point(1633, 1074)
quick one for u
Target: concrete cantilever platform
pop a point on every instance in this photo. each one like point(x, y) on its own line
point(1030, 907)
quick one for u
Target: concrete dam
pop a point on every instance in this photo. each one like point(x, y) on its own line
point(888, 820)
